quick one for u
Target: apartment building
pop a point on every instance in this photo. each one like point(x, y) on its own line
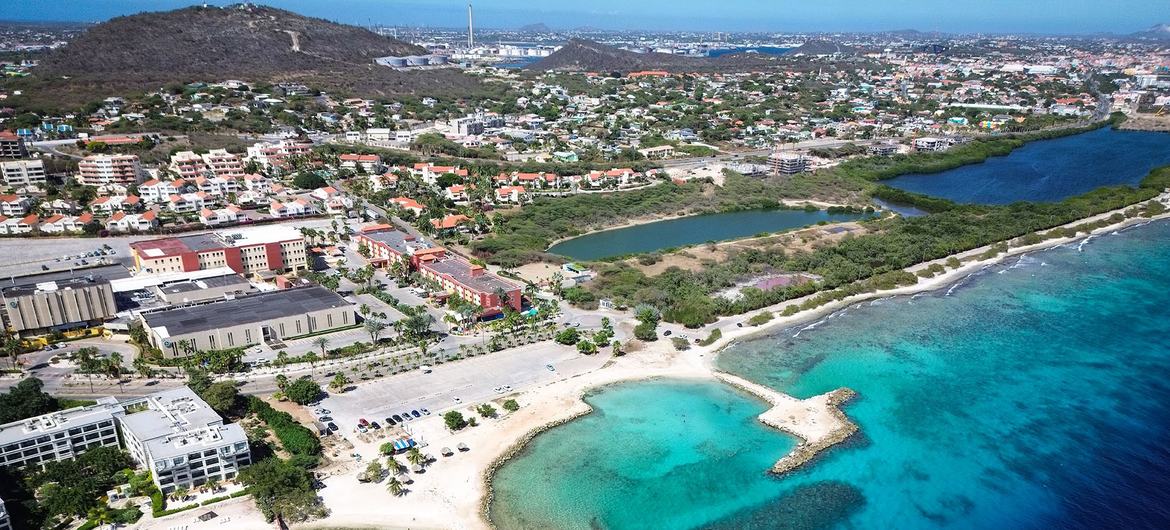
point(58, 304)
point(97, 170)
point(155, 190)
point(368, 163)
point(215, 163)
point(275, 155)
point(23, 173)
point(122, 222)
point(931, 144)
point(270, 248)
point(12, 146)
point(247, 320)
point(59, 435)
point(787, 163)
point(470, 282)
point(175, 434)
point(182, 440)
point(14, 205)
point(115, 203)
point(455, 274)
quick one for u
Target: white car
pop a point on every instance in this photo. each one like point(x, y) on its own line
point(457, 401)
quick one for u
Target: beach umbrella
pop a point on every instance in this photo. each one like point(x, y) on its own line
point(447, 451)
point(462, 447)
point(417, 468)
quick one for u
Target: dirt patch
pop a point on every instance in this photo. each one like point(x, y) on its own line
point(698, 257)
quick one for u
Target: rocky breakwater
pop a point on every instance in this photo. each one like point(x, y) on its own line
point(817, 421)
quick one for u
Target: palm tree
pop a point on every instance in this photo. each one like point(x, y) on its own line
point(339, 382)
point(395, 487)
point(415, 457)
point(113, 367)
point(100, 515)
point(143, 367)
point(393, 465)
point(321, 343)
point(281, 382)
point(374, 327)
point(312, 358)
point(282, 358)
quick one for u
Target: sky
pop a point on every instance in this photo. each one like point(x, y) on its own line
point(957, 16)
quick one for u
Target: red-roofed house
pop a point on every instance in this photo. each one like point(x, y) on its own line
point(14, 205)
point(513, 194)
point(451, 222)
point(368, 163)
point(406, 203)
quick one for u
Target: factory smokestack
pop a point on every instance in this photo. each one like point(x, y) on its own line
point(470, 28)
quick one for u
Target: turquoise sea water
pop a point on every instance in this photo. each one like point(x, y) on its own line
point(1033, 395)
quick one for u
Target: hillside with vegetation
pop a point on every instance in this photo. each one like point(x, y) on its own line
point(255, 44)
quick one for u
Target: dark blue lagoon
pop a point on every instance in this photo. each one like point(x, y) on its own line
point(1048, 170)
point(1033, 395)
point(767, 50)
point(690, 230)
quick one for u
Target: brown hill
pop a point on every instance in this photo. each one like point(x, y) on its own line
point(252, 43)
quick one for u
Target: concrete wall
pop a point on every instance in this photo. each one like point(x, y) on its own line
point(79, 304)
point(249, 334)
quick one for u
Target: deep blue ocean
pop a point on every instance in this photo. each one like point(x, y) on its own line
point(1035, 394)
point(1048, 170)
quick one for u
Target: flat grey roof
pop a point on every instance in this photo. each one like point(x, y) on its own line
point(245, 310)
point(105, 409)
point(62, 285)
point(200, 242)
point(187, 286)
point(397, 240)
point(108, 272)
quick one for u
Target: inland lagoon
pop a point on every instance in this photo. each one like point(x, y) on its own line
point(1048, 170)
point(692, 230)
point(1033, 394)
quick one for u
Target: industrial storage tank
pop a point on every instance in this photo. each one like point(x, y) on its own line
point(393, 62)
point(438, 60)
point(418, 60)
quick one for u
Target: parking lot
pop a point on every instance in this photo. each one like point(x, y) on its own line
point(473, 381)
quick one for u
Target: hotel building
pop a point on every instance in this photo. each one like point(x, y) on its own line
point(270, 248)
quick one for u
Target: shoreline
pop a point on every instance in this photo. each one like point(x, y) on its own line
point(458, 492)
point(802, 454)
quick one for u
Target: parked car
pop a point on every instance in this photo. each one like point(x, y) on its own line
point(390, 421)
point(415, 414)
point(332, 426)
point(374, 425)
point(550, 367)
point(363, 422)
point(396, 418)
point(425, 412)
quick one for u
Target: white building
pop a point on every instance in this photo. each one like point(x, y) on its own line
point(182, 441)
point(59, 435)
point(22, 172)
point(13, 205)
